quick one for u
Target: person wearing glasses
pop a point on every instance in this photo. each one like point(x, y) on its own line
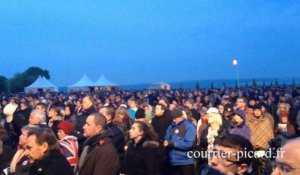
point(288, 159)
point(226, 156)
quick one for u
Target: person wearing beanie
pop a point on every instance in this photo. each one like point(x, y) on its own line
point(140, 115)
point(68, 143)
point(238, 124)
point(180, 138)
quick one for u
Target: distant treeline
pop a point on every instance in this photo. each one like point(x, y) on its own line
point(21, 80)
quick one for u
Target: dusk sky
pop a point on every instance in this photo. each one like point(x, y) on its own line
point(141, 41)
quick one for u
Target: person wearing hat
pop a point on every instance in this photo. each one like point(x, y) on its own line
point(238, 124)
point(227, 116)
point(261, 129)
point(140, 115)
point(180, 138)
point(68, 143)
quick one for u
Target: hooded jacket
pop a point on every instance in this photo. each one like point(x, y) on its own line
point(241, 129)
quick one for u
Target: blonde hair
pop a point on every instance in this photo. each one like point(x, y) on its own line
point(216, 118)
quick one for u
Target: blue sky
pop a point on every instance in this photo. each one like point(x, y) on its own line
point(150, 41)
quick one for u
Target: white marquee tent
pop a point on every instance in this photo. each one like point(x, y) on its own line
point(83, 84)
point(104, 82)
point(41, 83)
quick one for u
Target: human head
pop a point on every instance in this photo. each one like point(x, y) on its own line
point(241, 103)
point(159, 110)
point(64, 128)
point(189, 103)
point(239, 117)
point(177, 115)
point(69, 109)
point(37, 117)
point(231, 144)
point(108, 113)
point(24, 134)
point(140, 129)
point(140, 114)
point(40, 142)
point(54, 112)
point(95, 124)
point(23, 105)
point(288, 158)
point(214, 118)
point(87, 102)
point(164, 101)
point(41, 107)
point(132, 103)
point(257, 110)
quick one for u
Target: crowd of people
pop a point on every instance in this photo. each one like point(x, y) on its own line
point(151, 132)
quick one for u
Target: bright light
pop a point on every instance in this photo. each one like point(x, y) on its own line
point(234, 62)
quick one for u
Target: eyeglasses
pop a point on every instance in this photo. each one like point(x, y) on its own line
point(226, 158)
point(285, 169)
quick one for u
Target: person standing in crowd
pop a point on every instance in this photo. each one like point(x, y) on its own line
point(88, 108)
point(38, 118)
point(132, 104)
point(238, 124)
point(21, 161)
point(190, 105)
point(241, 104)
point(140, 115)
point(142, 152)
point(225, 155)
point(123, 120)
point(99, 155)
point(211, 131)
point(284, 122)
point(21, 117)
point(261, 129)
point(55, 118)
point(68, 143)
point(43, 148)
point(117, 132)
point(180, 138)
point(227, 116)
point(288, 158)
point(70, 114)
point(161, 121)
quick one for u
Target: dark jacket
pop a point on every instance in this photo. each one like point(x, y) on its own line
point(117, 137)
point(160, 125)
point(142, 158)
point(79, 123)
point(101, 156)
point(52, 164)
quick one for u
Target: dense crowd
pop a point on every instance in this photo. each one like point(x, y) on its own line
point(150, 132)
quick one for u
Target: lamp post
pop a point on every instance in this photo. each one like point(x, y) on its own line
point(235, 64)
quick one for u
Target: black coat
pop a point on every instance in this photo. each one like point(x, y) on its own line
point(52, 164)
point(160, 125)
point(142, 158)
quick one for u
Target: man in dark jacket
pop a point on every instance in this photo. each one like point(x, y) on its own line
point(99, 155)
point(44, 150)
point(88, 108)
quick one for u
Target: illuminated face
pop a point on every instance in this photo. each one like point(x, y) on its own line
point(257, 113)
point(35, 150)
point(90, 128)
point(135, 132)
point(23, 138)
point(158, 110)
point(34, 119)
point(224, 160)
